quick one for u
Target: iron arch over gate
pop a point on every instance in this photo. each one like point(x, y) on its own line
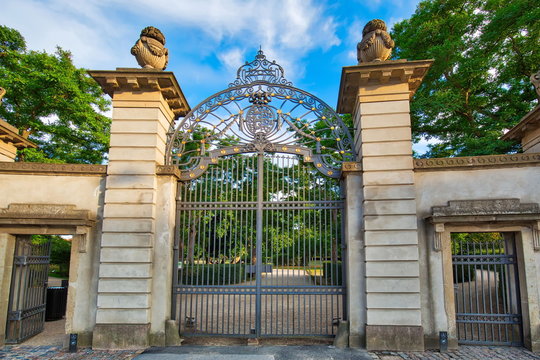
point(258, 247)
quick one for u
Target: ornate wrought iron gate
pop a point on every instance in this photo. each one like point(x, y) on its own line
point(26, 312)
point(486, 286)
point(260, 249)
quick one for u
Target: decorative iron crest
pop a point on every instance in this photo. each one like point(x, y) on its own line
point(260, 112)
point(260, 69)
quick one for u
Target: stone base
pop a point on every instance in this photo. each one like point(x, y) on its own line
point(394, 338)
point(253, 342)
point(84, 339)
point(533, 346)
point(121, 337)
point(342, 337)
point(157, 338)
point(172, 334)
point(432, 343)
point(356, 341)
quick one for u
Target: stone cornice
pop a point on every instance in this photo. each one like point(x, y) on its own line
point(529, 122)
point(353, 77)
point(486, 211)
point(35, 218)
point(29, 168)
point(10, 134)
point(128, 80)
point(351, 166)
point(477, 162)
point(168, 170)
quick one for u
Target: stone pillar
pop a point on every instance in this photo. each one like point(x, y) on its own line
point(356, 265)
point(82, 293)
point(7, 249)
point(377, 95)
point(145, 102)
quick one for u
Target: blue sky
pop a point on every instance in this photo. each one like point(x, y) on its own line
point(209, 39)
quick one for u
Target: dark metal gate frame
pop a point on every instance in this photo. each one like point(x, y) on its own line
point(263, 113)
point(28, 291)
point(328, 288)
point(491, 317)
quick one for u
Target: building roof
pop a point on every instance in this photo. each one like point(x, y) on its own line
point(10, 134)
point(530, 122)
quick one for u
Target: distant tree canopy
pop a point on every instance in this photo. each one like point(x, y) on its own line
point(484, 51)
point(52, 103)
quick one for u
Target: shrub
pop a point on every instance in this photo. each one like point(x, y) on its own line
point(213, 274)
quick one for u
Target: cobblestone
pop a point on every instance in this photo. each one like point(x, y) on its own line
point(463, 353)
point(23, 352)
point(20, 352)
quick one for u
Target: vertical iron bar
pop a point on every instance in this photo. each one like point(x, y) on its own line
point(260, 183)
point(175, 254)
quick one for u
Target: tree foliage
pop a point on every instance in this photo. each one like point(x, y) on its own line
point(484, 52)
point(52, 102)
point(60, 253)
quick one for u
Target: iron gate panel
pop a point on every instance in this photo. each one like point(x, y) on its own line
point(26, 311)
point(486, 285)
point(259, 249)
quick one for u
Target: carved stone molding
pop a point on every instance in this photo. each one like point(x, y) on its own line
point(484, 207)
point(44, 211)
point(528, 124)
point(460, 163)
point(130, 80)
point(168, 170)
point(45, 219)
point(351, 166)
point(505, 211)
point(437, 240)
point(354, 77)
point(28, 168)
point(10, 134)
point(536, 235)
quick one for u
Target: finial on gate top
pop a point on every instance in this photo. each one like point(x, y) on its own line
point(535, 79)
point(150, 50)
point(376, 44)
point(260, 70)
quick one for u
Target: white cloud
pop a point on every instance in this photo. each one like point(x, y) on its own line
point(45, 25)
point(232, 58)
point(100, 34)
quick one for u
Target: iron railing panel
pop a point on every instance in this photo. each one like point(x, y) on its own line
point(486, 293)
point(26, 309)
point(258, 251)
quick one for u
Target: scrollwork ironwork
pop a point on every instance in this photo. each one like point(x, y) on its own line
point(260, 112)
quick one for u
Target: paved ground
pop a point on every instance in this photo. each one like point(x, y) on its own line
point(52, 335)
point(318, 352)
point(285, 314)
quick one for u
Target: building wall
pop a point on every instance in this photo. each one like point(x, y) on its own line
point(85, 192)
point(436, 188)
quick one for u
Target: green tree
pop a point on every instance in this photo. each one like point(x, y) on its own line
point(52, 102)
point(60, 253)
point(484, 52)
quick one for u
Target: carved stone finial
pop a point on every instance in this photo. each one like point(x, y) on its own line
point(2, 93)
point(376, 44)
point(150, 50)
point(535, 79)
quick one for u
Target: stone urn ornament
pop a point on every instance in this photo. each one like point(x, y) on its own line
point(376, 44)
point(150, 50)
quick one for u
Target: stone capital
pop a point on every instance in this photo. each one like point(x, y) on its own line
point(353, 78)
point(141, 80)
